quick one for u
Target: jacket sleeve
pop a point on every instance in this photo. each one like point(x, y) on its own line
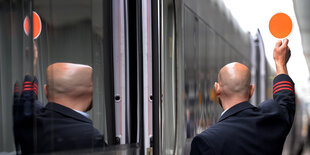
point(284, 95)
point(194, 147)
point(200, 146)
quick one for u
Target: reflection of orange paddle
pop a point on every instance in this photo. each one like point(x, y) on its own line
point(280, 25)
point(37, 26)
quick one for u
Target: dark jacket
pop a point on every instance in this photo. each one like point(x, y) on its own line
point(59, 128)
point(246, 129)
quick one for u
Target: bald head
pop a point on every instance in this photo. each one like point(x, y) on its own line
point(69, 84)
point(235, 80)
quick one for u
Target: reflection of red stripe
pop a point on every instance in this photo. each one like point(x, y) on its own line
point(16, 88)
point(27, 89)
point(283, 89)
point(282, 85)
point(35, 85)
point(282, 82)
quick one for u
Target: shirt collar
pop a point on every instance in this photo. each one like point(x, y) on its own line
point(82, 113)
point(224, 112)
point(235, 109)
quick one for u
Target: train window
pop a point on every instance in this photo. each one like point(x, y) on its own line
point(227, 53)
point(190, 67)
point(74, 31)
point(89, 32)
point(211, 52)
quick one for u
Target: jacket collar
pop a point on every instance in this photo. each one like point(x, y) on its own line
point(67, 112)
point(235, 109)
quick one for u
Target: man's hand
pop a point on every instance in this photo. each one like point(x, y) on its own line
point(281, 55)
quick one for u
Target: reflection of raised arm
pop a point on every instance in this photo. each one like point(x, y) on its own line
point(35, 58)
point(281, 55)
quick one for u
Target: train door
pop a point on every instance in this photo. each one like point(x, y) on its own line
point(147, 75)
point(120, 57)
point(132, 35)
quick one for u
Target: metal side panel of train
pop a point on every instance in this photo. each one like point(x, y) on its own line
point(196, 38)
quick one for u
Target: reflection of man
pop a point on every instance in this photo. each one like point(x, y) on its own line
point(244, 128)
point(63, 123)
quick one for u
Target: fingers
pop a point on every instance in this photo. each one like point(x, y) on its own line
point(285, 42)
point(278, 43)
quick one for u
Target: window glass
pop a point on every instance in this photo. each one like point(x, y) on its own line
point(77, 32)
point(72, 31)
point(15, 61)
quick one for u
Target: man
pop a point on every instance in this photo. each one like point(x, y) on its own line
point(244, 128)
point(63, 123)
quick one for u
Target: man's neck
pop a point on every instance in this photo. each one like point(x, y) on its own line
point(69, 104)
point(227, 104)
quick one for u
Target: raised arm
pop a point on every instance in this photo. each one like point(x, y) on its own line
point(283, 86)
point(35, 58)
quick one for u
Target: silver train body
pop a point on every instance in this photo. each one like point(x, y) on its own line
point(155, 63)
point(197, 38)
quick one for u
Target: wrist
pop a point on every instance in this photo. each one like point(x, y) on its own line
point(281, 69)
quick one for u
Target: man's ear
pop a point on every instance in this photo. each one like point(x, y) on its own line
point(252, 87)
point(45, 91)
point(217, 89)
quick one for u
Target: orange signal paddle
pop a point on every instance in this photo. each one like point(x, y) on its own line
point(280, 25)
point(37, 25)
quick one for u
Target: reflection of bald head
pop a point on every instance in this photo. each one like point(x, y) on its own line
point(69, 80)
point(235, 79)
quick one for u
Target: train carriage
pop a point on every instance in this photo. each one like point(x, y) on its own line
point(155, 63)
